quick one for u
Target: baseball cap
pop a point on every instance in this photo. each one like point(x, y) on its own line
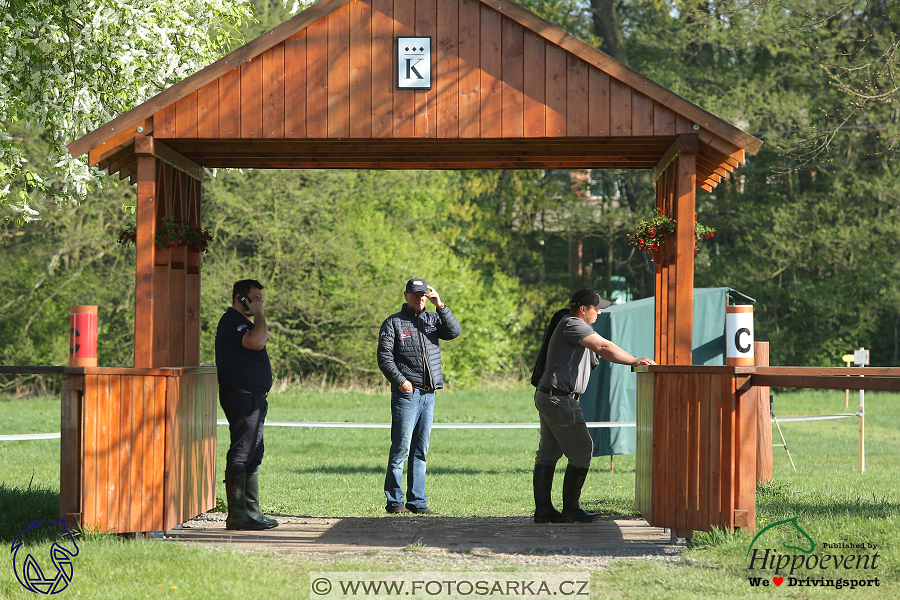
point(588, 297)
point(416, 285)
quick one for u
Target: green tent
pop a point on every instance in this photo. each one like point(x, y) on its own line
point(611, 394)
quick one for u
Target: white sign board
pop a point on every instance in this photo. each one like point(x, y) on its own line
point(861, 357)
point(414, 63)
point(739, 335)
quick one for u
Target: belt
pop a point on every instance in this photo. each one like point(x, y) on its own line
point(228, 390)
point(555, 392)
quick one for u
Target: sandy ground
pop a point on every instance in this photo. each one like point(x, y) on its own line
point(421, 541)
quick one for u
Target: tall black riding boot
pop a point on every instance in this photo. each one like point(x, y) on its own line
point(572, 484)
point(252, 494)
point(236, 495)
point(544, 512)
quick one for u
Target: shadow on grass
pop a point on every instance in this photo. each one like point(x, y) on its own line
point(20, 506)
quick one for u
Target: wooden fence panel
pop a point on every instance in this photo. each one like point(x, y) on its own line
point(695, 463)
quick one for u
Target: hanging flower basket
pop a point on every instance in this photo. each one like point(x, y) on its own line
point(651, 235)
point(172, 233)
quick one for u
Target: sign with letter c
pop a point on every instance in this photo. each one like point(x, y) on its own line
point(739, 336)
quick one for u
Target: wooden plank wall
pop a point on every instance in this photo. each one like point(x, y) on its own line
point(696, 451)
point(643, 455)
point(147, 451)
point(190, 476)
point(492, 78)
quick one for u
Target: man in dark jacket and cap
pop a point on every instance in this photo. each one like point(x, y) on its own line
point(409, 355)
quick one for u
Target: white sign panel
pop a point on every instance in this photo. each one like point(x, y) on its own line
point(739, 335)
point(861, 357)
point(414, 63)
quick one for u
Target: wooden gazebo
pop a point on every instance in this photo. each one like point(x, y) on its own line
point(507, 90)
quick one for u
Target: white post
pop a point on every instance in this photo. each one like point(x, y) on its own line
point(861, 358)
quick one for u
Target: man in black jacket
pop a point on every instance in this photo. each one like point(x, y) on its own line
point(245, 377)
point(409, 355)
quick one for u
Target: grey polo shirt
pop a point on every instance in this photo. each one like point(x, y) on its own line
point(568, 366)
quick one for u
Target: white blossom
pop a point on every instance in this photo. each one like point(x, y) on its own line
point(67, 67)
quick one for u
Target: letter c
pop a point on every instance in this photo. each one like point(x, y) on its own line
point(737, 340)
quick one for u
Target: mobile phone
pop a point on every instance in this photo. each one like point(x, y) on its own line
point(243, 301)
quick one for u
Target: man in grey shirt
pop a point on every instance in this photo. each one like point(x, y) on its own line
point(561, 376)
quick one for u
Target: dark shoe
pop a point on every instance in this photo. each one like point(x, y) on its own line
point(572, 484)
point(544, 512)
point(236, 496)
point(251, 492)
point(419, 511)
point(394, 510)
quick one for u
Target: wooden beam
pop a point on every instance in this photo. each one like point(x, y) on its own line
point(821, 382)
point(118, 142)
point(178, 160)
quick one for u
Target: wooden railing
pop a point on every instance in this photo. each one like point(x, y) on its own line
point(137, 446)
point(696, 438)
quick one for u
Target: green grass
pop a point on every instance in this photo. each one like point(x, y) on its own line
point(332, 472)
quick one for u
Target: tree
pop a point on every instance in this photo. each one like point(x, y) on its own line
point(71, 65)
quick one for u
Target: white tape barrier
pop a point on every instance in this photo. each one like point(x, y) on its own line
point(30, 436)
point(818, 417)
point(433, 426)
point(312, 424)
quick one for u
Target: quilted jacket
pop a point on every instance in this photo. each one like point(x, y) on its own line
point(408, 346)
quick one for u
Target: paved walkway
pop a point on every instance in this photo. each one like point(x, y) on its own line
point(620, 537)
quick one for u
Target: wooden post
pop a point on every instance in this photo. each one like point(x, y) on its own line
point(144, 262)
point(676, 178)
point(684, 212)
point(764, 464)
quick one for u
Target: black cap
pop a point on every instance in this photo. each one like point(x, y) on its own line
point(588, 297)
point(416, 285)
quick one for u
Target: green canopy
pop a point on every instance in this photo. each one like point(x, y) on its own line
point(611, 394)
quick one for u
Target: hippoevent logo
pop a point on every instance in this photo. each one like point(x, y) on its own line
point(28, 569)
point(790, 565)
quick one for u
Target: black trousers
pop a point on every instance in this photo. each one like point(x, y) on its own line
point(246, 414)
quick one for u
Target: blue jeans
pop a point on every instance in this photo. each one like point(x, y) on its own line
point(411, 416)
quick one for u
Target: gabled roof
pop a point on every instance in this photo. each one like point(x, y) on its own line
point(510, 91)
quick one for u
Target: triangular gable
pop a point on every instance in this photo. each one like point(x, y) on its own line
point(530, 93)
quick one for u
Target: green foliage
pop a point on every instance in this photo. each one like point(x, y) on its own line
point(69, 257)
point(335, 249)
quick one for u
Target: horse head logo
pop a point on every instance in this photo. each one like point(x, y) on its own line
point(793, 521)
point(28, 570)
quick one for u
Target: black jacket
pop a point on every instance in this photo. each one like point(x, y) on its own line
point(405, 341)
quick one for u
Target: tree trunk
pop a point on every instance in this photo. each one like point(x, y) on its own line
point(606, 26)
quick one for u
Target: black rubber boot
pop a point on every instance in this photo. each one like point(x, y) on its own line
point(544, 512)
point(252, 503)
point(572, 484)
point(235, 494)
